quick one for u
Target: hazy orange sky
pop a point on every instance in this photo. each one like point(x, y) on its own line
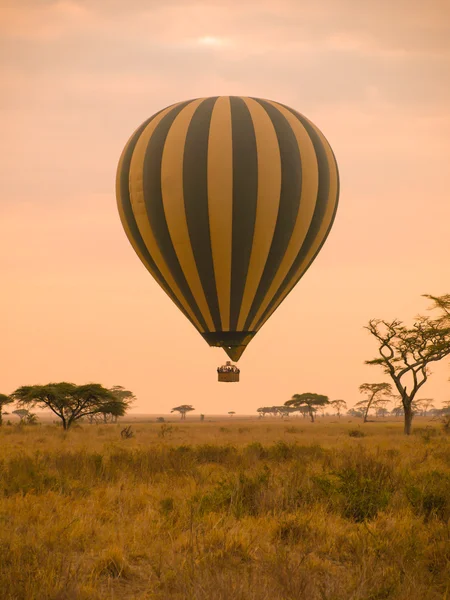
point(77, 77)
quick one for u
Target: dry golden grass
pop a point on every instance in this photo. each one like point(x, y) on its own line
point(242, 510)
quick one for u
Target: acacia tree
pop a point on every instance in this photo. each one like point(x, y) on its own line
point(308, 400)
point(376, 397)
point(406, 352)
point(381, 411)
point(355, 412)
point(110, 413)
point(339, 405)
point(268, 410)
point(398, 411)
point(424, 405)
point(183, 409)
point(25, 416)
point(231, 413)
point(69, 402)
point(4, 400)
point(22, 413)
point(304, 411)
point(284, 411)
point(446, 406)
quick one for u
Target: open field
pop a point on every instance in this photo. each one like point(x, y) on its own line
point(233, 509)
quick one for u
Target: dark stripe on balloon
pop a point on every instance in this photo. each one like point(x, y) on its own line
point(195, 189)
point(151, 173)
point(129, 215)
point(319, 212)
point(245, 193)
point(291, 187)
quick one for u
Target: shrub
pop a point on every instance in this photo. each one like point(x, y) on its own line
point(166, 506)
point(446, 423)
point(426, 433)
point(429, 495)
point(360, 487)
point(357, 433)
point(165, 430)
point(241, 495)
point(293, 429)
point(210, 453)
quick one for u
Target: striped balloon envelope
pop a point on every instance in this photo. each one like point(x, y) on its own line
point(227, 201)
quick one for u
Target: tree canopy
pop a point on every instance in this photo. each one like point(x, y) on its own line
point(70, 402)
point(4, 400)
point(183, 409)
point(339, 405)
point(309, 400)
point(110, 412)
point(377, 395)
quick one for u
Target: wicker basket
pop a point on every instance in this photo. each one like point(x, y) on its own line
point(228, 376)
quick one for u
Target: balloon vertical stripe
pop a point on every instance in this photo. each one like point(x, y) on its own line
point(220, 202)
point(245, 193)
point(195, 186)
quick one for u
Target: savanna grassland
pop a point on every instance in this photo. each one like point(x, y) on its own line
point(231, 509)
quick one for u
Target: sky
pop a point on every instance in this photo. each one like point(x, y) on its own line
point(78, 76)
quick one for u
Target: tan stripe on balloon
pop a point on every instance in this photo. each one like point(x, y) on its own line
point(308, 199)
point(220, 202)
point(122, 212)
point(268, 202)
point(174, 208)
point(326, 222)
point(140, 211)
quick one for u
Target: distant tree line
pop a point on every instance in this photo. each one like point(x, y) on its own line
point(423, 407)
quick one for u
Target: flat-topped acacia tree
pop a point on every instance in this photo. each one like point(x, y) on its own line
point(70, 402)
point(309, 400)
point(183, 409)
point(405, 353)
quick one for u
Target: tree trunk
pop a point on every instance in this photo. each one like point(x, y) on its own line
point(365, 415)
point(311, 414)
point(1, 416)
point(408, 419)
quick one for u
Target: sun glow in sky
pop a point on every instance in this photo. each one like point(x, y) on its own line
point(209, 40)
point(79, 77)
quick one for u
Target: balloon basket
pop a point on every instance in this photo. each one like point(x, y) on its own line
point(228, 373)
point(230, 377)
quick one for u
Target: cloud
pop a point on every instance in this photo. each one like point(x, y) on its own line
point(80, 76)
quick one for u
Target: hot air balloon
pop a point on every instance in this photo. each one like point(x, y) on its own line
point(227, 201)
